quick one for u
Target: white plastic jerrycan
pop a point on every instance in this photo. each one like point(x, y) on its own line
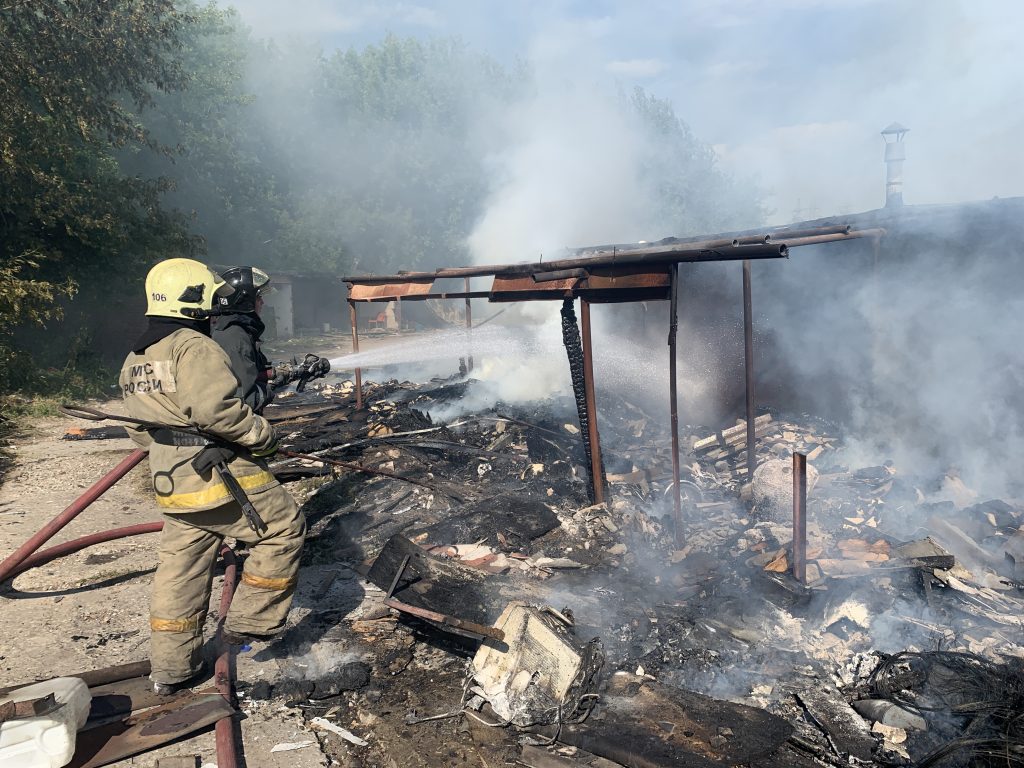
point(45, 741)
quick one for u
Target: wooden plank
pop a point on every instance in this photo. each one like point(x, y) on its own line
point(538, 757)
point(846, 729)
point(649, 725)
point(722, 436)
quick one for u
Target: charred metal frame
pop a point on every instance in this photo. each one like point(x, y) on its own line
point(596, 465)
point(800, 517)
point(673, 326)
point(469, 321)
point(608, 275)
point(748, 367)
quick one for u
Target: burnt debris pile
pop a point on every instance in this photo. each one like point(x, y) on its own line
point(507, 620)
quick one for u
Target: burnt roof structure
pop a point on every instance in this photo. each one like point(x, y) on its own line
point(616, 273)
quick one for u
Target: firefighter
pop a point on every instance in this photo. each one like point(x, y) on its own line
point(237, 327)
point(177, 376)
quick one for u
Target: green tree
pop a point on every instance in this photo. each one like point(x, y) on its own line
point(73, 76)
point(376, 151)
point(694, 194)
point(218, 177)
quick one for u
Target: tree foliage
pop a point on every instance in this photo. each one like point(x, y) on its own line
point(695, 195)
point(133, 130)
point(75, 74)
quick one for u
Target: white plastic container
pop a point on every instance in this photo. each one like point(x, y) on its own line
point(45, 741)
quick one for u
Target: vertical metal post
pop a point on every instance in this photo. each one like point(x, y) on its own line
point(673, 322)
point(469, 323)
point(355, 348)
point(588, 389)
point(398, 314)
point(748, 366)
point(874, 309)
point(800, 517)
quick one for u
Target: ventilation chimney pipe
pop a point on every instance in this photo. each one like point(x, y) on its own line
point(895, 154)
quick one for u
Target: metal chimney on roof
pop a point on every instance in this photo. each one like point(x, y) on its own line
point(895, 154)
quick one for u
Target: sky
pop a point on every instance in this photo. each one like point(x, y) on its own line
point(792, 94)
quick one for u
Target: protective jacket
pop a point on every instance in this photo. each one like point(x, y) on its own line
point(184, 379)
point(239, 336)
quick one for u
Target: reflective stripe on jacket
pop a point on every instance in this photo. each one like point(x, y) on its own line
point(185, 380)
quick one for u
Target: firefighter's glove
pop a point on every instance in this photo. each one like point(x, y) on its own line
point(282, 376)
point(267, 451)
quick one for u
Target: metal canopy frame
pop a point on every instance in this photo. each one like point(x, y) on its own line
point(612, 274)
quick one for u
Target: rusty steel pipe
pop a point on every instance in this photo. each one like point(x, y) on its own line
point(751, 240)
point(673, 322)
point(800, 517)
point(748, 369)
point(469, 323)
point(115, 674)
point(354, 318)
point(76, 545)
point(785, 235)
point(596, 463)
point(833, 238)
point(226, 731)
point(96, 677)
point(97, 489)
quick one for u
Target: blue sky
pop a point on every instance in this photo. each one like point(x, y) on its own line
point(791, 93)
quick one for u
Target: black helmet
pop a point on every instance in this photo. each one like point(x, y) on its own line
point(249, 283)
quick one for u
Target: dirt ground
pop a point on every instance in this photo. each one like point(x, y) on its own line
point(90, 611)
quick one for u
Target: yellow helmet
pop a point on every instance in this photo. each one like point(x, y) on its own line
point(183, 288)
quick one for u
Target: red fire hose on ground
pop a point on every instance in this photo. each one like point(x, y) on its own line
point(75, 545)
point(27, 556)
point(9, 567)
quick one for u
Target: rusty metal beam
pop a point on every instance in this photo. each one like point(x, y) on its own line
point(784, 235)
point(588, 387)
point(747, 236)
point(800, 517)
point(469, 321)
point(353, 316)
point(388, 291)
point(748, 369)
point(796, 242)
point(445, 621)
point(424, 297)
point(673, 323)
point(662, 254)
point(599, 285)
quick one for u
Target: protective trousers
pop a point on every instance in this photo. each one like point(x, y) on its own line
point(181, 588)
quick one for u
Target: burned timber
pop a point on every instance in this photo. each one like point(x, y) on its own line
point(580, 580)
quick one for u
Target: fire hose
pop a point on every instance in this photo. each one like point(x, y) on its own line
point(224, 673)
point(10, 565)
point(27, 555)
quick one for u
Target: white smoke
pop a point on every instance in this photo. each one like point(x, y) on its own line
point(570, 173)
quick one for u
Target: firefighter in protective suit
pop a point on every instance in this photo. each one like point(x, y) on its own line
point(177, 376)
point(237, 327)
